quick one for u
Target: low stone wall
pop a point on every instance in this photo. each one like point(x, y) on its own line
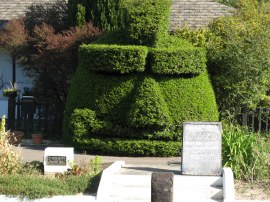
point(196, 13)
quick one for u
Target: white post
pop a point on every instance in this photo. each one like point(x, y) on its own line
point(228, 185)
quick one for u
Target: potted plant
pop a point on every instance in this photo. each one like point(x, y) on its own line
point(11, 91)
point(37, 137)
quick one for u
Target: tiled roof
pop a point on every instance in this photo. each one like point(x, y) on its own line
point(14, 8)
point(196, 13)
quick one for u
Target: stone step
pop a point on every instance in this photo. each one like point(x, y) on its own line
point(138, 187)
point(179, 180)
point(127, 200)
point(149, 200)
point(198, 193)
point(131, 193)
point(187, 181)
point(144, 193)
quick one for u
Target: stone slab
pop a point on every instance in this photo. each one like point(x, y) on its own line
point(201, 148)
point(57, 159)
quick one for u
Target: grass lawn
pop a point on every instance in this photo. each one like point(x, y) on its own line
point(31, 183)
point(34, 187)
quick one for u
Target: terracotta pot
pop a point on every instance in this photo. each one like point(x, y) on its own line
point(16, 137)
point(37, 138)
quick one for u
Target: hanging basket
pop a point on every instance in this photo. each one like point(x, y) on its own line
point(10, 94)
point(15, 137)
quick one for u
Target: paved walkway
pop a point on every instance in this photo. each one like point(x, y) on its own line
point(33, 152)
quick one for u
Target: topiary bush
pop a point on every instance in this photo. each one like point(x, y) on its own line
point(129, 147)
point(113, 58)
point(148, 21)
point(148, 100)
point(132, 100)
point(178, 60)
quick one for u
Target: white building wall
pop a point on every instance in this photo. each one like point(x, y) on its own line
point(6, 75)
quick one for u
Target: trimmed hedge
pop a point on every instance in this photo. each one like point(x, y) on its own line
point(127, 147)
point(113, 38)
point(178, 60)
point(174, 42)
point(113, 99)
point(149, 108)
point(125, 101)
point(113, 58)
point(148, 21)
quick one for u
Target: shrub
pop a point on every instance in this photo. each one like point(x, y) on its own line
point(246, 153)
point(129, 147)
point(148, 21)
point(81, 121)
point(149, 100)
point(178, 60)
point(9, 158)
point(95, 165)
point(197, 37)
point(108, 15)
point(239, 63)
point(172, 41)
point(113, 98)
point(113, 58)
point(113, 37)
point(140, 111)
point(80, 17)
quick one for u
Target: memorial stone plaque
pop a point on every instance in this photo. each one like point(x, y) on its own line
point(201, 148)
point(56, 159)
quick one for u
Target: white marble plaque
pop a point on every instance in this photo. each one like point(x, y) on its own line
point(201, 148)
point(56, 159)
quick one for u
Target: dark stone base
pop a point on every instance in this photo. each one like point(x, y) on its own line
point(162, 187)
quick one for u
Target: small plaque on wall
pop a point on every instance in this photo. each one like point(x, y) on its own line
point(56, 160)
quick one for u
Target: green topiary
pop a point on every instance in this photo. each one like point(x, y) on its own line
point(113, 58)
point(178, 60)
point(129, 147)
point(149, 108)
point(81, 121)
point(113, 98)
point(148, 21)
point(132, 100)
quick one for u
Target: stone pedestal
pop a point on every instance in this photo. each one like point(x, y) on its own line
point(162, 187)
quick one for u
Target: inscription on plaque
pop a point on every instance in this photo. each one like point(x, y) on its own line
point(56, 160)
point(201, 148)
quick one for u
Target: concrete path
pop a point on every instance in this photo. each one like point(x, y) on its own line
point(36, 153)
